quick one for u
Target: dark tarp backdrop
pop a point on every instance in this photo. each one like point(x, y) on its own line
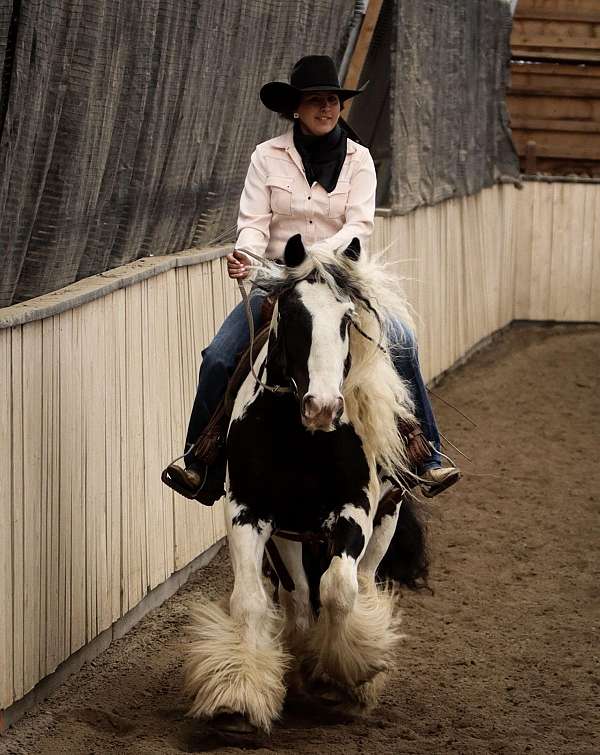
point(449, 122)
point(129, 124)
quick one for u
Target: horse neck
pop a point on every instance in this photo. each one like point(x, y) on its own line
point(275, 369)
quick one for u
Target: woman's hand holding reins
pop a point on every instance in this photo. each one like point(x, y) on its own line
point(238, 265)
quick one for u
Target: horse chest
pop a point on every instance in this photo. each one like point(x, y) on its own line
point(282, 472)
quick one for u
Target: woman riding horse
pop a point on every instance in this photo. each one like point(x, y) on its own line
point(314, 181)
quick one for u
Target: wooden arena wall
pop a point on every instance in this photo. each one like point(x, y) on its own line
point(96, 382)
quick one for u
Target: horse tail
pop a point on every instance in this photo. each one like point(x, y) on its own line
point(406, 561)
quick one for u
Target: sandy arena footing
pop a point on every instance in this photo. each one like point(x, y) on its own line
point(502, 657)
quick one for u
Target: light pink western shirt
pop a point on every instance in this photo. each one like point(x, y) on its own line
point(278, 202)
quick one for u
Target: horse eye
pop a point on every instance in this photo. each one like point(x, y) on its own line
point(346, 320)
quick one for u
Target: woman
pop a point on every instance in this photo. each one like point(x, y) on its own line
point(315, 181)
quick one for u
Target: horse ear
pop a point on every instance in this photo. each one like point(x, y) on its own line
point(294, 253)
point(352, 251)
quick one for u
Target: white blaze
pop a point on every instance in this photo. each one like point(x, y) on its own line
point(327, 351)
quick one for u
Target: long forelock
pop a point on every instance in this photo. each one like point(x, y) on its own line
point(366, 283)
point(375, 395)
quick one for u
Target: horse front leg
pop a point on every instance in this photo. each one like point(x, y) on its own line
point(358, 628)
point(236, 663)
point(296, 600)
point(384, 527)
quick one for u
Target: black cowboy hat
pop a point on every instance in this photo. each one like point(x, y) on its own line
point(313, 73)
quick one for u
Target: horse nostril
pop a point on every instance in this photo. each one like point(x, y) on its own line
point(323, 412)
point(310, 408)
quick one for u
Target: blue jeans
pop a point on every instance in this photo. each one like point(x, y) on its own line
point(220, 358)
point(405, 357)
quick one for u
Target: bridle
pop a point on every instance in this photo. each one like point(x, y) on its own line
point(278, 389)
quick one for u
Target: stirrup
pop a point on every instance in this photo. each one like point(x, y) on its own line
point(431, 489)
point(171, 477)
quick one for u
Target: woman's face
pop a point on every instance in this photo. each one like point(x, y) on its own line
point(318, 112)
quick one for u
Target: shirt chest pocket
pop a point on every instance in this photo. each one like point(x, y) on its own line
point(338, 199)
point(281, 189)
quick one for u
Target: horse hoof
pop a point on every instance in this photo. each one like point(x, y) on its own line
point(329, 692)
point(374, 670)
point(233, 724)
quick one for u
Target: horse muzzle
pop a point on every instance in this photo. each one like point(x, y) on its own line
point(321, 415)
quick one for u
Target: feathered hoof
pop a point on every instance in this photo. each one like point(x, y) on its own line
point(227, 676)
point(329, 692)
point(356, 648)
point(352, 699)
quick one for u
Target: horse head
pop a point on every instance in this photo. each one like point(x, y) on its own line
point(310, 343)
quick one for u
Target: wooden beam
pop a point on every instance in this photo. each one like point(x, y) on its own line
point(562, 69)
point(553, 124)
point(558, 144)
point(552, 89)
point(553, 53)
point(555, 40)
point(572, 109)
point(559, 10)
point(555, 15)
point(530, 158)
point(359, 55)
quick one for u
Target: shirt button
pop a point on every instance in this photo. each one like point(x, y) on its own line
point(308, 197)
point(310, 221)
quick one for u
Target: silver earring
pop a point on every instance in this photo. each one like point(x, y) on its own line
point(296, 115)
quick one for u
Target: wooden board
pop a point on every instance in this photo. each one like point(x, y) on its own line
point(533, 49)
point(6, 532)
point(555, 124)
point(114, 356)
point(559, 144)
point(568, 109)
point(554, 79)
point(359, 55)
point(586, 11)
point(75, 462)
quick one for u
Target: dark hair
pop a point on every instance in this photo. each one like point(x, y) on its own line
point(287, 116)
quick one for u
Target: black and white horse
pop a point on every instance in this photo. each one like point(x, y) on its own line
point(310, 459)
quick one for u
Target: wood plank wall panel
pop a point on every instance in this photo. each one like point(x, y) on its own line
point(94, 402)
point(594, 233)
point(18, 509)
point(7, 655)
point(457, 260)
point(474, 264)
point(556, 247)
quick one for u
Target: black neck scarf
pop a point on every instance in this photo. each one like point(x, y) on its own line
point(322, 156)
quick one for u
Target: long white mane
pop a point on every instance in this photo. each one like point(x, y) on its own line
point(375, 396)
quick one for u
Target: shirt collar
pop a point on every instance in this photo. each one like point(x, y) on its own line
point(286, 140)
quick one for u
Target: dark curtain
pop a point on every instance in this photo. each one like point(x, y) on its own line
point(448, 118)
point(126, 126)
